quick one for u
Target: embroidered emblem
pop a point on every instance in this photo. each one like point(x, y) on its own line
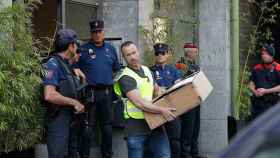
point(92, 54)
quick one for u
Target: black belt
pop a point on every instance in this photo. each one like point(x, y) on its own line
point(101, 87)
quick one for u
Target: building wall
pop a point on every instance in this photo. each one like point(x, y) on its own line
point(121, 19)
point(214, 46)
point(4, 3)
point(184, 25)
point(145, 10)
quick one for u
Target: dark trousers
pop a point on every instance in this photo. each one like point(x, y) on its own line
point(101, 114)
point(58, 131)
point(80, 132)
point(173, 130)
point(190, 132)
point(259, 106)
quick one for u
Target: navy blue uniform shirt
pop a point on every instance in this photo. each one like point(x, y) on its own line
point(165, 76)
point(266, 75)
point(54, 73)
point(99, 63)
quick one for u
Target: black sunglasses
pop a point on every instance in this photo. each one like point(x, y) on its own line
point(160, 53)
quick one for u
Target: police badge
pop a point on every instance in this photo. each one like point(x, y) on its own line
point(157, 76)
point(92, 54)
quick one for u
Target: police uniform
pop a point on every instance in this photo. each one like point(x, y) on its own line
point(165, 77)
point(191, 119)
point(58, 125)
point(98, 64)
point(265, 76)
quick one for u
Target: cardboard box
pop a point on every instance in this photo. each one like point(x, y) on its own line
point(184, 96)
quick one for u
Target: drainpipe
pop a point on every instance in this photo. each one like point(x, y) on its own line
point(235, 55)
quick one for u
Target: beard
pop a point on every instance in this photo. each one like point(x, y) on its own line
point(134, 62)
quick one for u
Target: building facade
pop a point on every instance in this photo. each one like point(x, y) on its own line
point(202, 21)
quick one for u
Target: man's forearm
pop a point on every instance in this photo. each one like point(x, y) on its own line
point(275, 89)
point(141, 103)
point(149, 107)
point(252, 87)
point(58, 99)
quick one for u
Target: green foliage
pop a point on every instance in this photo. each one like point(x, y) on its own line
point(162, 18)
point(161, 32)
point(21, 121)
point(260, 34)
point(245, 103)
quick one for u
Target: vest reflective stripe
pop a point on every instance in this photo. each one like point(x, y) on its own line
point(144, 85)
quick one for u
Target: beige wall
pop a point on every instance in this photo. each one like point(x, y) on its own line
point(145, 9)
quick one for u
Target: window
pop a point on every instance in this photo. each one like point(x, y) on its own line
point(78, 14)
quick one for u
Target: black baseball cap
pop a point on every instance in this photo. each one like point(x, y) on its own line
point(66, 36)
point(269, 48)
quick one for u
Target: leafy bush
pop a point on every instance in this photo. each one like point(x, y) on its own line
point(268, 13)
point(21, 121)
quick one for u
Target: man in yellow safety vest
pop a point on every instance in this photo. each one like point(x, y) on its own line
point(136, 86)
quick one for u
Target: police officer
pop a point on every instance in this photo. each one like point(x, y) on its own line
point(265, 82)
point(136, 86)
point(63, 101)
point(190, 120)
point(99, 61)
point(165, 76)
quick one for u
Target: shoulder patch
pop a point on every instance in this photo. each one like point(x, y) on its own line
point(49, 74)
point(277, 67)
point(258, 67)
point(52, 62)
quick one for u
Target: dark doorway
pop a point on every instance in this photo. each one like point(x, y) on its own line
point(45, 21)
point(274, 27)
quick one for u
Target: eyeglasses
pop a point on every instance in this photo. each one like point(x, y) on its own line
point(160, 53)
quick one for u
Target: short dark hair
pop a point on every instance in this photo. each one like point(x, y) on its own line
point(126, 44)
point(64, 38)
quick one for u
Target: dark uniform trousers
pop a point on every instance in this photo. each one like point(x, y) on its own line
point(190, 123)
point(65, 136)
point(80, 132)
point(101, 114)
point(173, 129)
point(262, 104)
point(190, 132)
point(58, 133)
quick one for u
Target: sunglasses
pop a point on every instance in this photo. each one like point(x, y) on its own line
point(160, 53)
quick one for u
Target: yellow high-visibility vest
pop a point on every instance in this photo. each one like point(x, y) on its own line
point(145, 85)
